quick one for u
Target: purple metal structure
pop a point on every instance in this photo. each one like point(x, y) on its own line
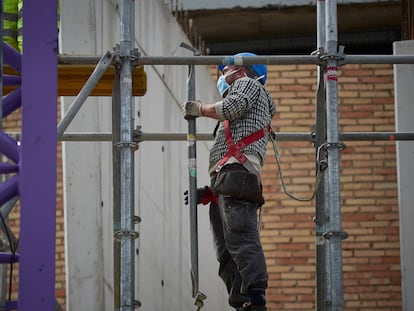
point(9, 188)
point(34, 161)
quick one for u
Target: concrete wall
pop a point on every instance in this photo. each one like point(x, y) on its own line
point(161, 175)
point(404, 112)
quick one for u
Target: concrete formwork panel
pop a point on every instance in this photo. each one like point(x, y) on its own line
point(161, 175)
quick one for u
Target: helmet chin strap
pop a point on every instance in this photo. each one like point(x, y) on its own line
point(228, 74)
point(259, 78)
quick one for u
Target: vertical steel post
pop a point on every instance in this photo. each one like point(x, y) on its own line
point(192, 192)
point(334, 234)
point(320, 139)
point(37, 175)
point(127, 148)
point(192, 174)
point(116, 173)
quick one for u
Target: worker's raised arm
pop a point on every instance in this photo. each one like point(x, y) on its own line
point(199, 109)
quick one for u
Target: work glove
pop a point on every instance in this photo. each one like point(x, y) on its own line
point(204, 196)
point(192, 109)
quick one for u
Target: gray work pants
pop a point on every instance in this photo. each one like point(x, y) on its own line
point(238, 247)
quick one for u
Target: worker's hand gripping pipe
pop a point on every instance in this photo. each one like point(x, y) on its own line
point(192, 170)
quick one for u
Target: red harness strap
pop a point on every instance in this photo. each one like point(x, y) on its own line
point(234, 150)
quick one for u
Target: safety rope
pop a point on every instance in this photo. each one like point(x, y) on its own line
point(322, 165)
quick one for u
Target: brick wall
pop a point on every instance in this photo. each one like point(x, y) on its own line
point(368, 193)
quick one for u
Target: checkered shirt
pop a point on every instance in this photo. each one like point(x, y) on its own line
point(249, 107)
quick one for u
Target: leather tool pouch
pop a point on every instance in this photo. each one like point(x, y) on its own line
point(239, 185)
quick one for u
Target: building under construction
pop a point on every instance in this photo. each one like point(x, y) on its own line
point(95, 157)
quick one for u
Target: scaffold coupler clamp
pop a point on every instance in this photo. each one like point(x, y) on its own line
point(320, 53)
point(133, 56)
point(137, 135)
point(117, 56)
point(137, 304)
point(118, 233)
point(338, 56)
point(322, 153)
point(199, 300)
point(322, 158)
point(127, 144)
point(329, 234)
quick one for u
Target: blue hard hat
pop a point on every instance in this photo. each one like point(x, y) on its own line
point(261, 70)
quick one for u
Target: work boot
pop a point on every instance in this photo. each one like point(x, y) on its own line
point(237, 300)
point(257, 296)
point(248, 306)
point(257, 300)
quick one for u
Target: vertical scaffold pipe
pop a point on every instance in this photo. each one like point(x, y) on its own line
point(192, 174)
point(192, 191)
point(116, 173)
point(320, 139)
point(334, 234)
point(126, 235)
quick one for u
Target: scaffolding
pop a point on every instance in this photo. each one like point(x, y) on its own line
point(39, 138)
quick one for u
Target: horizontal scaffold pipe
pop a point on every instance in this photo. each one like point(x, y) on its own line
point(249, 60)
point(285, 136)
point(379, 59)
point(384, 136)
point(201, 60)
point(230, 60)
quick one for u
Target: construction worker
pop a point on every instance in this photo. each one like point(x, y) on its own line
point(236, 158)
point(10, 22)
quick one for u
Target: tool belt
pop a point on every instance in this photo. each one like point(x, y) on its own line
point(234, 181)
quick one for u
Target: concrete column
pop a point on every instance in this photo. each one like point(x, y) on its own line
point(404, 112)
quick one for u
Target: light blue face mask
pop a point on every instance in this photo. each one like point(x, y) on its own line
point(222, 84)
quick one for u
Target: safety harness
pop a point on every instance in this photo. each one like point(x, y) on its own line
point(234, 150)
